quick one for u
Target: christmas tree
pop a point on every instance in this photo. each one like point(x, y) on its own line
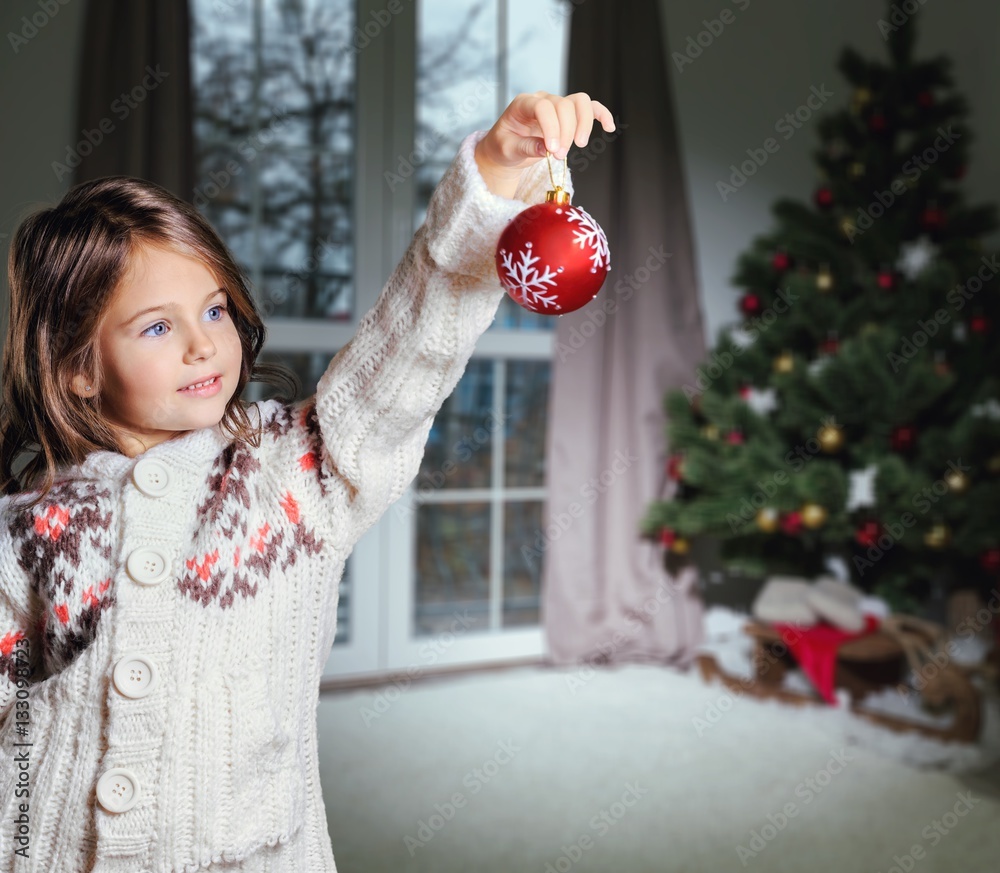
point(852, 412)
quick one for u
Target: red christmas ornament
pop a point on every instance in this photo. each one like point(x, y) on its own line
point(735, 438)
point(781, 261)
point(886, 280)
point(867, 535)
point(674, 470)
point(830, 345)
point(932, 218)
point(751, 304)
point(824, 198)
point(553, 257)
point(745, 390)
point(878, 122)
point(925, 99)
point(990, 560)
point(667, 537)
point(903, 438)
point(791, 523)
point(979, 324)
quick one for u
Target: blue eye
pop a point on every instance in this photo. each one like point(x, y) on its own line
point(220, 307)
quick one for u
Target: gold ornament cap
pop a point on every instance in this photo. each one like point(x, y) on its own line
point(556, 194)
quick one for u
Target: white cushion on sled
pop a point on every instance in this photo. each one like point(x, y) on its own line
point(838, 603)
point(783, 599)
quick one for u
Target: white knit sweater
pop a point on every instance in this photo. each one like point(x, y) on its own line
point(177, 609)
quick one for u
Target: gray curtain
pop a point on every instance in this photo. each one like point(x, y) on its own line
point(606, 595)
point(135, 102)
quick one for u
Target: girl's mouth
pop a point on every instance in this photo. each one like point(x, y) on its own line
point(204, 389)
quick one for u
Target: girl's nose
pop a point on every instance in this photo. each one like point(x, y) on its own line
point(200, 345)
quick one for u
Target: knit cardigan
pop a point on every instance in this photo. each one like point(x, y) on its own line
point(165, 619)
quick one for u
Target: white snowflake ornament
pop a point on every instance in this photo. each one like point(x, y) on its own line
point(914, 256)
point(861, 488)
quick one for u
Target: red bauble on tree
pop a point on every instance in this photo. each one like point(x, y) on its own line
point(735, 438)
point(751, 304)
point(791, 523)
point(925, 99)
point(903, 438)
point(877, 122)
point(979, 324)
point(868, 533)
point(824, 197)
point(674, 467)
point(553, 257)
point(990, 560)
point(781, 261)
point(932, 218)
point(886, 279)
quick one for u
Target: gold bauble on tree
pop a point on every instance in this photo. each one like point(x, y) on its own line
point(784, 363)
point(857, 170)
point(938, 536)
point(831, 438)
point(860, 99)
point(824, 279)
point(680, 546)
point(956, 481)
point(768, 519)
point(847, 226)
point(710, 432)
point(813, 515)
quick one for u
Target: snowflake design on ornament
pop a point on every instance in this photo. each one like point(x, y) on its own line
point(590, 234)
point(530, 283)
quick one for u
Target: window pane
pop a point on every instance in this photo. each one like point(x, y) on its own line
point(538, 36)
point(459, 451)
point(457, 89)
point(306, 253)
point(222, 69)
point(453, 572)
point(524, 551)
point(224, 195)
point(274, 143)
point(307, 68)
point(527, 413)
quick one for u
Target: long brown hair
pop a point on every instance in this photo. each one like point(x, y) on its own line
point(64, 266)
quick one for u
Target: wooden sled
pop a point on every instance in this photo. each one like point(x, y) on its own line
point(865, 665)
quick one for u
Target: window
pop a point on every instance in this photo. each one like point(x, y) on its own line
point(304, 108)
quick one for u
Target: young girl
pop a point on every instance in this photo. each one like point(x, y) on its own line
point(168, 588)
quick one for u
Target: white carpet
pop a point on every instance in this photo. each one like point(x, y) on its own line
point(606, 771)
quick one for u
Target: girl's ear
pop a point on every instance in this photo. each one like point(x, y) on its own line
point(81, 386)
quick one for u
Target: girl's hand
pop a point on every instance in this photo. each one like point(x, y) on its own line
point(530, 126)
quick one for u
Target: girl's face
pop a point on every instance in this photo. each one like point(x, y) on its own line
point(149, 357)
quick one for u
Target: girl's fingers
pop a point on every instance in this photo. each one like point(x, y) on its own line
point(584, 118)
point(603, 115)
point(548, 121)
point(568, 123)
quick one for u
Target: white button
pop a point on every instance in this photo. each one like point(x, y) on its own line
point(118, 789)
point(151, 477)
point(148, 566)
point(135, 675)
